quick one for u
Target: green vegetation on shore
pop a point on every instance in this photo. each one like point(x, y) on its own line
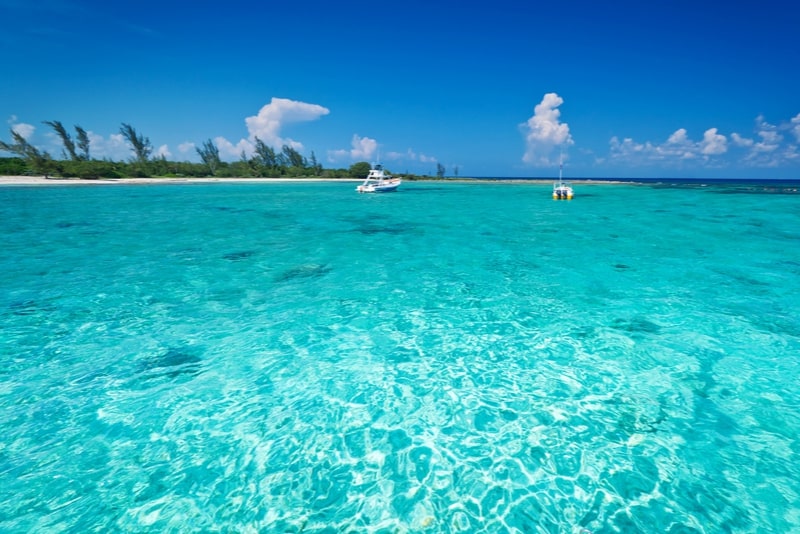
point(76, 161)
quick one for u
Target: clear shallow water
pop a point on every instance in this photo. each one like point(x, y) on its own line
point(449, 358)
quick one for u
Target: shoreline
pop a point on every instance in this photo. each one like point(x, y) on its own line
point(9, 180)
point(41, 180)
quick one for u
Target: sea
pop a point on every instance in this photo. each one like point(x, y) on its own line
point(452, 357)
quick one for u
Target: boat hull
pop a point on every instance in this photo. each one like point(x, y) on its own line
point(562, 192)
point(378, 188)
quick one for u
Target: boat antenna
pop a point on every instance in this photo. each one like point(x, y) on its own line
point(560, 165)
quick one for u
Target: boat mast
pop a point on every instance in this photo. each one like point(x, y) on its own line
point(560, 166)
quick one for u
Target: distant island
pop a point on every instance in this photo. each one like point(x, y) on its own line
point(76, 161)
point(265, 163)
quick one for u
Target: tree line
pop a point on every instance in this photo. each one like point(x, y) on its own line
point(76, 160)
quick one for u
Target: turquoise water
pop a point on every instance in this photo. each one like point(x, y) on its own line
point(448, 358)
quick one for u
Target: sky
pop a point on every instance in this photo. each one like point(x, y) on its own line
point(660, 88)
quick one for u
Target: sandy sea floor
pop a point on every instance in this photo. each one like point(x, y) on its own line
point(284, 357)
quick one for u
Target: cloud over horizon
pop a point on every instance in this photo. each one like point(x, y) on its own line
point(768, 145)
point(767, 148)
point(410, 155)
point(114, 148)
point(24, 130)
point(186, 147)
point(543, 132)
point(269, 122)
point(678, 148)
point(795, 126)
point(363, 149)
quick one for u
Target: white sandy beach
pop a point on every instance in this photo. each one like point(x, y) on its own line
point(41, 180)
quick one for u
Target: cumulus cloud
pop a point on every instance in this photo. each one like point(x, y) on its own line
point(713, 143)
point(188, 146)
point(278, 113)
point(677, 149)
point(114, 148)
point(629, 151)
point(795, 127)
point(394, 156)
point(544, 132)
point(24, 130)
point(410, 155)
point(163, 152)
point(770, 145)
point(770, 139)
point(362, 149)
point(268, 124)
point(768, 148)
point(228, 149)
point(738, 140)
point(677, 146)
point(680, 137)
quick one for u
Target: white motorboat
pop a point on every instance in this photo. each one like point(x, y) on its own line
point(379, 181)
point(562, 190)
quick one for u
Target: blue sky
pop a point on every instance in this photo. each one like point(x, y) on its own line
point(621, 89)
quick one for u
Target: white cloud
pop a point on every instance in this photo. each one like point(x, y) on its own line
point(769, 141)
point(163, 151)
point(268, 123)
point(738, 140)
point(543, 132)
point(410, 155)
point(768, 149)
point(677, 149)
point(764, 152)
point(770, 146)
point(226, 148)
point(792, 153)
point(279, 112)
point(770, 138)
point(795, 127)
point(678, 146)
point(630, 151)
point(713, 143)
point(363, 149)
point(24, 130)
point(679, 137)
point(394, 156)
point(115, 148)
point(188, 146)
